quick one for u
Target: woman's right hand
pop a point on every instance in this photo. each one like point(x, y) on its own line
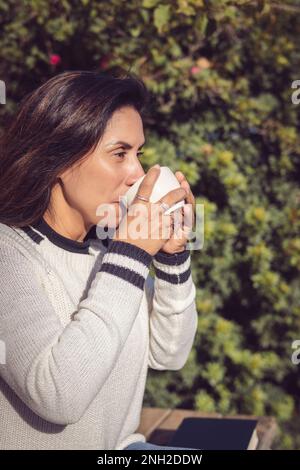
point(145, 224)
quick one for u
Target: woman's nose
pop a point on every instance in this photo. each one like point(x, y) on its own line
point(137, 175)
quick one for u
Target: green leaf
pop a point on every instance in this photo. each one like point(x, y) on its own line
point(161, 16)
point(150, 3)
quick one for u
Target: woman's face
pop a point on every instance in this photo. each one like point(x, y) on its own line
point(108, 172)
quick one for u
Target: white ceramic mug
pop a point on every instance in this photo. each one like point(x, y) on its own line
point(165, 183)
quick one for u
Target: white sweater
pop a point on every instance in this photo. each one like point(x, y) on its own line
point(80, 323)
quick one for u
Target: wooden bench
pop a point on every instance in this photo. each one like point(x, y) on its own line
point(159, 424)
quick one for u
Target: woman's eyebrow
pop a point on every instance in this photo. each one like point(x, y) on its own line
point(126, 145)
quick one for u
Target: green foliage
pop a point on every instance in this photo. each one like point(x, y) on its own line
point(220, 74)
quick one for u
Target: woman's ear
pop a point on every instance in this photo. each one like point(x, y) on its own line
point(58, 180)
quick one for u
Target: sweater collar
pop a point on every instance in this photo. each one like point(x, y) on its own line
point(67, 243)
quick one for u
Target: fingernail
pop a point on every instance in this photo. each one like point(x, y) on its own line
point(156, 166)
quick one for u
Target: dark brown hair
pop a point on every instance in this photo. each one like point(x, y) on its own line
point(56, 125)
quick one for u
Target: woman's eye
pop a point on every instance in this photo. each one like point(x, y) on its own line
point(122, 154)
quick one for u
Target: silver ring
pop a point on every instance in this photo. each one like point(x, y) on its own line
point(165, 206)
point(142, 198)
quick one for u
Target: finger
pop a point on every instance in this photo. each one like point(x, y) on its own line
point(185, 184)
point(177, 219)
point(178, 234)
point(180, 176)
point(166, 226)
point(183, 223)
point(190, 199)
point(188, 217)
point(174, 196)
point(146, 186)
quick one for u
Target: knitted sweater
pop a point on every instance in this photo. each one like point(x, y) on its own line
point(80, 323)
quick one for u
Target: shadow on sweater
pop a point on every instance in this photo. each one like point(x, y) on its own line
point(25, 412)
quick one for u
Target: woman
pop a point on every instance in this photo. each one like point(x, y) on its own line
point(81, 317)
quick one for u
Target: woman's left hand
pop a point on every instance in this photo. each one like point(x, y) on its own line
point(179, 238)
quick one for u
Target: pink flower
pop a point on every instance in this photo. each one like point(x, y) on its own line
point(54, 59)
point(195, 69)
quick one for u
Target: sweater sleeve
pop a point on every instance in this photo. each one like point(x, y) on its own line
point(173, 314)
point(57, 371)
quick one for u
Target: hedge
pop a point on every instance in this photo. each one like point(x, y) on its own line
point(221, 76)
